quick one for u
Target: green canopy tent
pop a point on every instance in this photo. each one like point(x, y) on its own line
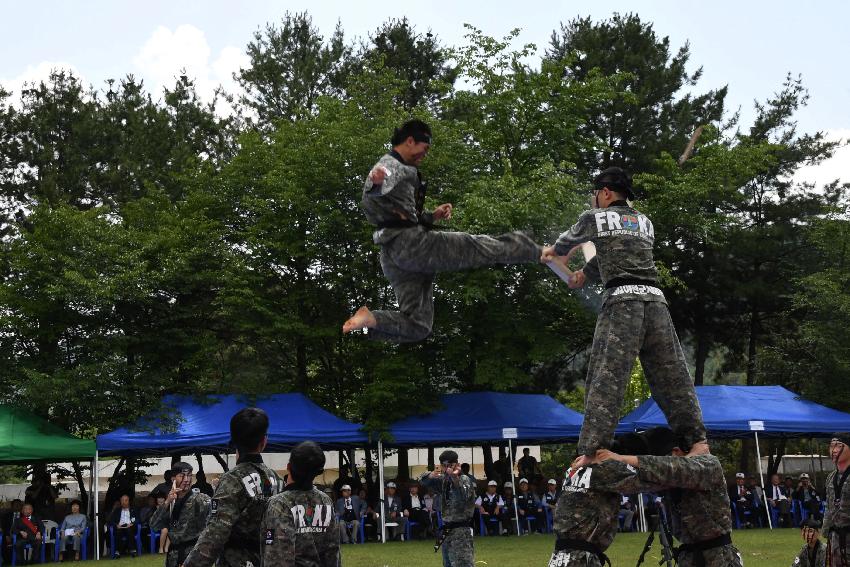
point(27, 438)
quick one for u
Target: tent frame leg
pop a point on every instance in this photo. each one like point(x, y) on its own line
point(761, 478)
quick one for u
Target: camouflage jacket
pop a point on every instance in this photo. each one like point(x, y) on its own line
point(804, 559)
point(233, 535)
point(457, 500)
point(623, 238)
point(837, 505)
point(589, 504)
point(698, 502)
point(300, 530)
point(401, 192)
point(190, 513)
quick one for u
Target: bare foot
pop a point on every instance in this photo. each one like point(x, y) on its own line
point(362, 318)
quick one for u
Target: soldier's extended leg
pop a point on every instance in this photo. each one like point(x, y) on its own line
point(616, 343)
point(412, 258)
point(667, 374)
point(457, 549)
point(574, 559)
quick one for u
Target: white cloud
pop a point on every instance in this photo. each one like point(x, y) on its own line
point(36, 74)
point(168, 54)
point(836, 167)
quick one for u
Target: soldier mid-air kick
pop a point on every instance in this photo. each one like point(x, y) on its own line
point(634, 321)
point(411, 252)
point(233, 536)
point(184, 513)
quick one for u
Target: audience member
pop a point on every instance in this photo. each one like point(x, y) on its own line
point(164, 487)
point(28, 529)
point(779, 499)
point(8, 518)
point(123, 521)
point(465, 469)
point(808, 497)
point(73, 530)
point(393, 511)
point(201, 484)
point(164, 540)
point(490, 506)
point(529, 507)
point(550, 499)
point(742, 497)
point(416, 511)
point(509, 509)
point(371, 521)
point(627, 511)
point(527, 466)
point(349, 510)
point(147, 510)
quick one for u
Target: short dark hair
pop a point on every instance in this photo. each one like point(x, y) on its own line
point(306, 461)
point(77, 502)
point(420, 131)
point(615, 179)
point(248, 426)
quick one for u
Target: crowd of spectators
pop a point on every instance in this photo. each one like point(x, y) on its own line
point(788, 503)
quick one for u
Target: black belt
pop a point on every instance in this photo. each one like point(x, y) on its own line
point(403, 223)
point(244, 543)
point(564, 544)
point(617, 282)
point(698, 547)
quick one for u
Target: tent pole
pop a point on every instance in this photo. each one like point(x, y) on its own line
point(761, 477)
point(642, 511)
point(381, 490)
point(94, 472)
point(812, 453)
point(513, 482)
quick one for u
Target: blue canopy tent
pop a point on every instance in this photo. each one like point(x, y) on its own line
point(741, 411)
point(186, 424)
point(483, 417)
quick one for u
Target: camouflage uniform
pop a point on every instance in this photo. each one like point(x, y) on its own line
point(300, 528)
point(233, 535)
point(411, 253)
point(457, 504)
point(836, 520)
point(807, 559)
point(698, 507)
point(185, 522)
point(634, 321)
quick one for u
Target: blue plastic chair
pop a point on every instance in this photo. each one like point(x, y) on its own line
point(138, 538)
point(408, 531)
point(60, 543)
point(27, 546)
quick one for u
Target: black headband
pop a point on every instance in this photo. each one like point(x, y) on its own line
point(421, 137)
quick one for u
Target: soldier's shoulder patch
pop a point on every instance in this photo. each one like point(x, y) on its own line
point(269, 536)
point(214, 506)
point(630, 468)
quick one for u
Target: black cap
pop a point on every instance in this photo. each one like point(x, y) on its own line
point(842, 436)
point(811, 522)
point(448, 457)
point(616, 179)
point(181, 468)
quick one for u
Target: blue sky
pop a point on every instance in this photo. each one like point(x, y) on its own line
point(750, 46)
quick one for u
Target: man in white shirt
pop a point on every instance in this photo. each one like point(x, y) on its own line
point(489, 507)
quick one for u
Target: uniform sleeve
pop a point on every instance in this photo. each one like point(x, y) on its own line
point(396, 174)
point(160, 518)
point(226, 505)
point(581, 231)
point(279, 535)
point(428, 482)
point(466, 487)
point(202, 508)
point(591, 270)
point(614, 476)
point(689, 473)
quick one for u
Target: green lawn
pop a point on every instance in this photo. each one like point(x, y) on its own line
point(760, 548)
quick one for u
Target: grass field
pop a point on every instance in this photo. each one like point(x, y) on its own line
point(759, 548)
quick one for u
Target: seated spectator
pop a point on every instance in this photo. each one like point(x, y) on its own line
point(627, 511)
point(164, 487)
point(431, 505)
point(528, 506)
point(7, 520)
point(201, 484)
point(779, 499)
point(550, 499)
point(147, 511)
point(74, 527)
point(416, 511)
point(164, 540)
point(490, 506)
point(123, 521)
point(743, 499)
point(808, 497)
point(349, 510)
point(371, 521)
point(393, 510)
point(464, 469)
point(528, 467)
point(508, 516)
point(28, 529)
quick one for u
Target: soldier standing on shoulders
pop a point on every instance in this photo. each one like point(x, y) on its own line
point(184, 513)
point(457, 504)
point(836, 521)
point(233, 536)
point(300, 526)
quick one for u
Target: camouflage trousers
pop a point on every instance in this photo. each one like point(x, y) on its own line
point(411, 257)
point(457, 548)
point(572, 558)
point(725, 556)
point(626, 330)
point(239, 557)
point(837, 556)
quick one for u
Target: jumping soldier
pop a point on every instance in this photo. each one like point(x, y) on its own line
point(233, 536)
point(184, 513)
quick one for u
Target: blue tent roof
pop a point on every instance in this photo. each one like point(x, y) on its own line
point(737, 411)
point(203, 425)
point(477, 417)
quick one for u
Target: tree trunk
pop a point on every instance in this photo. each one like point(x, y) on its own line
point(222, 461)
point(403, 465)
point(489, 467)
point(752, 346)
point(431, 463)
point(371, 485)
point(78, 475)
point(701, 357)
